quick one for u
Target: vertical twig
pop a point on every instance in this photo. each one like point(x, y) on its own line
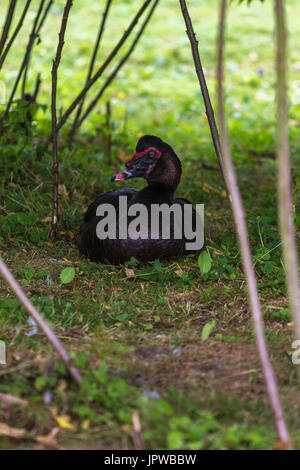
point(203, 86)
point(7, 23)
point(114, 73)
point(43, 19)
point(37, 32)
point(27, 54)
point(241, 229)
point(56, 62)
point(37, 88)
point(108, 118)
point(285, 200)
point(15, 33)
point(240, 225)
point(137, 431)
point(4, 271)
point(101, 69)
point(91, 68)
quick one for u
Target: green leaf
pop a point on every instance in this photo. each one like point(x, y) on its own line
point(42, 273)
point(175, 440)
point(27, 219)
point(40, 382)
point(204, 262)
point(157, 265)
point(67, 275)
point(164, 408)
point(29, 273)
point(207, 329)
point(123, 317)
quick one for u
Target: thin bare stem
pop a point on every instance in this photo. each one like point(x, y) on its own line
point(240, 225)
point(285, 201)
point(6, 27)
point(56, 62)
point(24, 62)
point(108, 129)
point(101, 69)
point(203, 86)
point(119, 66)
point(43, 19)
point(137, 437)
point(241, 229)
point(90, 71)
point(15, 33)
point(37, 32)
point(4, 271)
point(37, 88)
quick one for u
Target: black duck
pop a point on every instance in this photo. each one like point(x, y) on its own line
point(157, 162)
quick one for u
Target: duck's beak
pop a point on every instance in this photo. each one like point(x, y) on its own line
point(125, 175)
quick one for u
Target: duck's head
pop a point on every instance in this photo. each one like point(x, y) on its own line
point(155, 161)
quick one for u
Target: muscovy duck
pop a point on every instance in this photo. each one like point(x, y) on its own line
point(157, 162)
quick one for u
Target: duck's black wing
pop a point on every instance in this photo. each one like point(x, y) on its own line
point(196, 225)
point(88, 242)
point(112, 197)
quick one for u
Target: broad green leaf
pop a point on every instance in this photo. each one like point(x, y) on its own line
point(207, 329)
point(29, 273)
point(67, 275)
point(123, 317)
point(40, 382)
point(175, 440)
point(204, 262)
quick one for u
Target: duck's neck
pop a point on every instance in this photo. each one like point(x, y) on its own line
point(156, 193)
point(166, 173)
point(162, 181)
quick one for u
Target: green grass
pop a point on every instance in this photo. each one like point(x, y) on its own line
point(139, 331)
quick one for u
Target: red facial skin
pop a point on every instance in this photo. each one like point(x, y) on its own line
point(120, 176)
point(141, 154)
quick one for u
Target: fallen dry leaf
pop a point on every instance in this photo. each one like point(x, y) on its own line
point(12, 399)
point(48, 440)
point(129, 272)
point(179, 273)
point(6, 430)
point(85, 425)
point(62, 190)
point(64, 422)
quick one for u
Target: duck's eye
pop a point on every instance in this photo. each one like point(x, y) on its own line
point(151, 154)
